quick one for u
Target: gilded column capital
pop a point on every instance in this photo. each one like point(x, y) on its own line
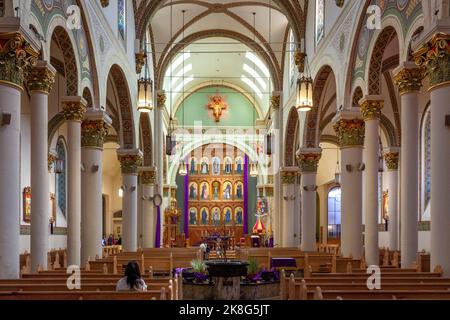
point(308, 159)
point(51, 160)
point(41, 77)
point(408, 78)
point(130, 160)
point(161, 98)
point(74, 108)
point(288, 175)
point(350, 132)
point(94, 129)
point(104, 3)
point(148, 175)
point(371, 107)
point(16, 56)
point(391, 157)
point(299, 58)
point(275, 100)
point(269, 190)
point(140, 61)
point(434, 57)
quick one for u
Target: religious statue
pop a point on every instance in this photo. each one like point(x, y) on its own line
point(227, 191)
point(228, 216)
point(216, 191)
point(239, 191)
point(204, 168)
point(227, 165)
point(204, 216)
point(204, 194)
point(216, 166)
point(239, 216)
point(239, 165)
point(216, 217)
point(217, 104)
point(192, 192)
point(192, 216)
point(192, 165)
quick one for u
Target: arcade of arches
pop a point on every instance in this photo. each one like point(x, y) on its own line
point(223, 144)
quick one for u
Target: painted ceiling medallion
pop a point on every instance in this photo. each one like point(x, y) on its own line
point(217, 104)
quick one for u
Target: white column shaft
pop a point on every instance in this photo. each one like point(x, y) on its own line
point(40, 191)
point(351, 203)
point(129, 212)
point(288, 218)
point(308, 224)
point(409, 165)
point(148, 218)
point(159, 156)
point(10, 195)
point(276, 212)
point(370, 205)
point(74, 193)
point(440, 180)
point(91, 204)
point(392, 185)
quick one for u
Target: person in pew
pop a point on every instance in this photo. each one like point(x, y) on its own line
point(132, 281)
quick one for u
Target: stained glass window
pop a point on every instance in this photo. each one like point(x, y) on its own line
point(427, 158)
point(334, 213)
point(291, 46)
point(122, 18)
point(320, 14)
point(61, 193)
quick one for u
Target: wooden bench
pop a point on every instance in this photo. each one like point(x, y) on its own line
point(84, 295)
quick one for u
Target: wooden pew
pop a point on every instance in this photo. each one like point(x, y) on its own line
point(84, 295)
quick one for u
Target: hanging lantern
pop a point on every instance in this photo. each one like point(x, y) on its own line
point(269, 144)
point(183, 170)
point(254, 169)
point(304, 94)
point(145, 95)
point(337, 174)
point(380, 164)
point(170, 144)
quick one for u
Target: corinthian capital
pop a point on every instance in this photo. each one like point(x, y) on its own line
point(41, 77)
point(130, 160)
point(161, 98)
point(74, 108)
point(371, 107)
point(408, 78)
point(308, 159)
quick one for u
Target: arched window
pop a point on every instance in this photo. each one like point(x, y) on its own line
point(426, 164)
point(122, 14)
point(292, 66)
point(61, 184)
point(334, 213)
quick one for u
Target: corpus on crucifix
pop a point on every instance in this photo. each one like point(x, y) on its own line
point(217, 104)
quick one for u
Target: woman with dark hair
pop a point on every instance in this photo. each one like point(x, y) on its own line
point(132, 281)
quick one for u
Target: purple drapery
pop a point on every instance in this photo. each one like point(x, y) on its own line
point(186, 202)
point(245, 194)
point(158, 227)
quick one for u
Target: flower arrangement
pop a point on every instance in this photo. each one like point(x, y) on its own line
point(255, 274)
point(200, 270)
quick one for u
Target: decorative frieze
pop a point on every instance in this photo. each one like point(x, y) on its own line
point(17, 57)
point(41, 77)
point(308, 159)
point(408, 79)
point(371, 107)
point(93, 133)
point(434, 57)
point(74, 108)
point(148, 176)
point(130, 162)
point(350, 132)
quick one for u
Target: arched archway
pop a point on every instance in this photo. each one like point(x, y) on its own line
point(291, 138)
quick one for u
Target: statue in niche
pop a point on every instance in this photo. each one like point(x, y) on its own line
point(216, 166)
point(216, 217)
point(204, 194)
point(239, 165)
point(204, 216)
point(192, 165)
point(193, 191)
point(204, 169)
point(239, 191)
point(239, 216)
point(228, 216)
point(216, 190)
point(192, 216)
point(227, 165)
point(227, 191)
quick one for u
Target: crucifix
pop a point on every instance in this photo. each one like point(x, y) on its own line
point(217, 104)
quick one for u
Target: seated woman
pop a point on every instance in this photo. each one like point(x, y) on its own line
point(132, 281)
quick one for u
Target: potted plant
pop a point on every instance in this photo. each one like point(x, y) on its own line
point(200, 271)
point(252, 270)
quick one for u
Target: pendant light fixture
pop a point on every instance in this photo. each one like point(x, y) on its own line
point(145, 88)
point(170, 139)
point(304, 100)
point(182, 171)
point(337, 173)
point(254, 164)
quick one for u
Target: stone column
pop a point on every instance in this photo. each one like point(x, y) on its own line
point(130, 160)
point(16, 56)
point(268, 190)
point(288, 176)
point(349, 129)
point(371, 106)
point(94, 129)
point(435, 54)
point(159, 152)
point(40, 83)
point(148, 179)
point(391, 157)
point(308, 159)
point(408, 78)
point(275, 104)
point(74, 109)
